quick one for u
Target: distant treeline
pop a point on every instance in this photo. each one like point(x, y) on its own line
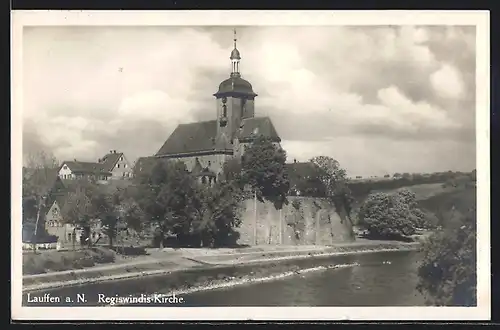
point(311, 186)
point(360, 188)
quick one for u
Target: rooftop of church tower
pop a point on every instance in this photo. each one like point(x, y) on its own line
point(206, 137)
point(235, 85)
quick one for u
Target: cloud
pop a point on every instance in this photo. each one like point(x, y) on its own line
point(448, 82)
point(327, 89)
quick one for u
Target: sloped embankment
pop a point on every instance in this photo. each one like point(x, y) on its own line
point(252, 261)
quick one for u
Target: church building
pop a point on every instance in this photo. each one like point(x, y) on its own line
point(205, 146)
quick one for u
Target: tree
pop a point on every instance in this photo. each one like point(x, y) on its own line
point(38, 180)
point(166, 196)
point(334, 179)
point(390, 215)
point(79, 209)
point(107, 207)
point(263, 168)
point(232, 171)
point(447, 274)
point(215, 213)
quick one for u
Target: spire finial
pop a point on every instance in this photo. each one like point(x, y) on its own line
point(234, 31)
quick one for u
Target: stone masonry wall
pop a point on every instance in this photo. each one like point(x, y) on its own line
point(304, 221)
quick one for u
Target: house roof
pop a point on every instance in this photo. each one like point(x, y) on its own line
point(251, 127)
point(109, 161)
point(86, 167)
point(201, 136)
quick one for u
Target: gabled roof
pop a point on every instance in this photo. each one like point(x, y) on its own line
point(190, 137)
point(252, 127)
point(109, 160)
point(86, 167)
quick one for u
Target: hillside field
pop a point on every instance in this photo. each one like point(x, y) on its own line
point(437, 198)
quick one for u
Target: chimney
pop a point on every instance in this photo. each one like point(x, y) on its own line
point(294, 160)
point(74, 159)
point(111, 151)
point(114, 151)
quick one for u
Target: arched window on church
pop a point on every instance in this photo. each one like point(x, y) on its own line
point(224, 110)
point(243, 107)
point(204, 179)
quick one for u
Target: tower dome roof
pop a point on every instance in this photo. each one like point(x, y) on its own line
point(235, 54)
point(236, 85)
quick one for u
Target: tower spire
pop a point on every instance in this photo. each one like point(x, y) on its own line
point(235, 59)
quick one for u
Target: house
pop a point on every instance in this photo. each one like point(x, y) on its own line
point(117, 164)
point(112, 166)
point(54, 222)
point(74, 170)
point(205, 146)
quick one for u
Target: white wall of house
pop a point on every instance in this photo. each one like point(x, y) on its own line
point(65, 172)
point(54, 224)
point(122, 169)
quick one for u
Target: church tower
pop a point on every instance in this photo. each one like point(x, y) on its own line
point(234, 100)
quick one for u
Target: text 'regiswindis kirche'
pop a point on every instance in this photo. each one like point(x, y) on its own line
point(205, 146)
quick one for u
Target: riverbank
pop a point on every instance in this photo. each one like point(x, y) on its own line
point(170, 261)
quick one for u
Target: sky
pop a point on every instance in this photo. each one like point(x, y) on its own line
point(379, 99)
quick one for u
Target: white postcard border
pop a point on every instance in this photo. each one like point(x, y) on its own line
point(240, 18)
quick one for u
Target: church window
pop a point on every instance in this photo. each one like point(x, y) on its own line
point(243, 107)
point(209, 163)
point(121, 159)
point(124, 165)
point(118, 166)
point(203, 179)
point(224, 111)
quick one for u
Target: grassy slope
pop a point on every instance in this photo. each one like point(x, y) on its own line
point(436, 198)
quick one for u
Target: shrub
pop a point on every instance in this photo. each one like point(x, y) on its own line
point(447, 274)
point(389, 215)
point(83, 262)
point(296, 204)
point(102, 256)
point(131, 250)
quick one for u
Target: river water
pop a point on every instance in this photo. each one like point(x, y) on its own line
point(373, 279)
point(381, 279)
